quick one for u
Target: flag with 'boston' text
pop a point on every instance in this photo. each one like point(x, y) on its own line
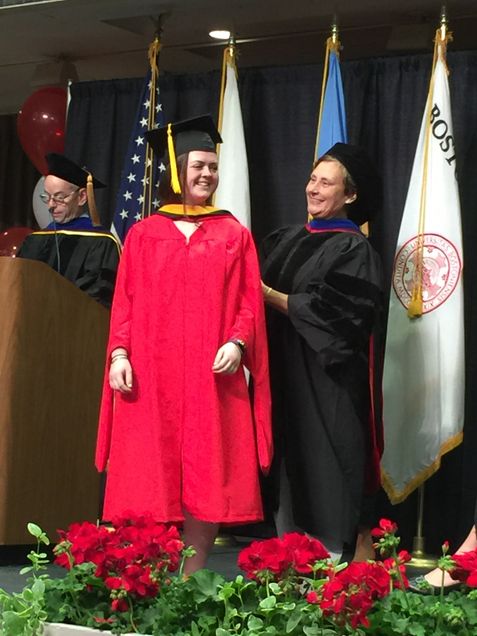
point(423, 384)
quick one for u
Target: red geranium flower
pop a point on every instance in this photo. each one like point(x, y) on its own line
point(131, 557)
point(466, 570)
point(263, 558)
point(349, 594)
point(303, 552)
point(385, 527)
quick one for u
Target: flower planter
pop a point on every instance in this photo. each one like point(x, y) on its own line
point(60, 629)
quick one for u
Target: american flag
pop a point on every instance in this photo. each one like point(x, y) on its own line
point(137, 194)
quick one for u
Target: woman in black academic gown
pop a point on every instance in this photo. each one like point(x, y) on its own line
point(323, 288)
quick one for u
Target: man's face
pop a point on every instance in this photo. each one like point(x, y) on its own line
point(72, 199)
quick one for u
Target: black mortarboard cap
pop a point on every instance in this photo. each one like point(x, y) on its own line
point(368, 182)
point(198, 133)
point(63, 168)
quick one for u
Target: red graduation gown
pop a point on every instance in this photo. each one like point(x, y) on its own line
point(187, 437)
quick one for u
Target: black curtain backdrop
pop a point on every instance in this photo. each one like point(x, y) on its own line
point(385, 100)
point(19, 178)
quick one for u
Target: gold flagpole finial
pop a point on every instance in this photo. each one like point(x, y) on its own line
point(231, 45)
point(443, 22)
point(334, 30)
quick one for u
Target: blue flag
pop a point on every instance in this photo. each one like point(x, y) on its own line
point(137, 196)
point(332, 127)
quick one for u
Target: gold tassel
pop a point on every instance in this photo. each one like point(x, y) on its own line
point(93, 211)
point(415, 307)
point(176, 186)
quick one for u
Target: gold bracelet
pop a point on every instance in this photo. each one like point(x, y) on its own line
point(118, 356)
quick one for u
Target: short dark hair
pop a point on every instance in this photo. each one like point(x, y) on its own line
point(348, 181)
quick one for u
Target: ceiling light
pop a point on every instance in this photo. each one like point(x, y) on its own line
point(220, 34)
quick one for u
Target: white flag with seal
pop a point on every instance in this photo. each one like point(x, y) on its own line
point(233, 191)
point(423, 383)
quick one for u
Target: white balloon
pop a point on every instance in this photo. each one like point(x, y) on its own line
point(40, 209)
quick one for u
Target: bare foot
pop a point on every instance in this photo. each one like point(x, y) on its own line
point(434, 577)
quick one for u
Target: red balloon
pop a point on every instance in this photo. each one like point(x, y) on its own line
point(41, 125)
point(11, 239)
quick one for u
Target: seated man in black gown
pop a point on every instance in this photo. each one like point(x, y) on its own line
point(74, 244)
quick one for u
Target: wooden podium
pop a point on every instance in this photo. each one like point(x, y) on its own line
point(52, 349)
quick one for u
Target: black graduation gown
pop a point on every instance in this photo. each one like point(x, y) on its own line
point(319, 366)
point(89, 259)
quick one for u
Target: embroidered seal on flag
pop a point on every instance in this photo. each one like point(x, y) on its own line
point(441, 264)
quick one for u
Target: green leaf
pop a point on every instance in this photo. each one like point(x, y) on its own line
point(268, 603)
point(38, 588)
point(26, 569)
point(205, 582)
point(34, 530)
point(254, 624)
point(293, 621)
point(288, 607)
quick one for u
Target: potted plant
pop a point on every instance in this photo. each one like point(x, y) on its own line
point(127, 579)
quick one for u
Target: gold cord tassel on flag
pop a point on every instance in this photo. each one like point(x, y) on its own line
point(416, 304)
point(228, 58)
point(148, 184)
point(93, 210)
point(414, 309)
point(176, 186)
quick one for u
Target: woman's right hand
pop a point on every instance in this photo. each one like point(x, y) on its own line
point(120, 375)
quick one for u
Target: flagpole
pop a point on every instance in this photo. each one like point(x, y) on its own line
point(136, 193)
point(153, 55)
point(415, 307)
point(332, 44)
point(420, 559)
point(227, 58)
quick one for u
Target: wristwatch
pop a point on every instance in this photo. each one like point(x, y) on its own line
point(240, 344)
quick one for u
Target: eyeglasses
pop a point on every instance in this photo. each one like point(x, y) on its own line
point(46, 198)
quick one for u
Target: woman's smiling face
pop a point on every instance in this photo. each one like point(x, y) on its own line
point(202, 177)
point(325, 191)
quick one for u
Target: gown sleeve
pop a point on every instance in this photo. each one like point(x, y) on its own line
point(249, 326)
point(100, 267)
point(119, 336)
point(336, 312)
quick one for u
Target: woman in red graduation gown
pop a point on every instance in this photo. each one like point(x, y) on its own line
point(181, 438)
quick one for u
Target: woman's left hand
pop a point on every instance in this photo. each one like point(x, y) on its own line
point(227, 359)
